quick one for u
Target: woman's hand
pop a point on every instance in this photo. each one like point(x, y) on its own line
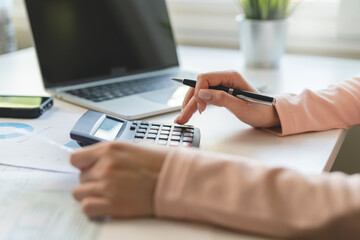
point(118, 179)
point(256, 115)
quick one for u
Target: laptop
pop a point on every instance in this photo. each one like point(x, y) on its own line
point(114, 56)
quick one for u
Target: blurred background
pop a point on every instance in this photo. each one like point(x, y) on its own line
point(317, 27)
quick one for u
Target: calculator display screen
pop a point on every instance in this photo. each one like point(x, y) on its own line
point(108, 129)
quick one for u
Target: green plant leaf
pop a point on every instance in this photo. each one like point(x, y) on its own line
point(267, 9)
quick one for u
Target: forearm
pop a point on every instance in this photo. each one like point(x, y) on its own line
point(243, 195)
point(335, 107)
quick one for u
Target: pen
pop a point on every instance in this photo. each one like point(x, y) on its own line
point(245, 95)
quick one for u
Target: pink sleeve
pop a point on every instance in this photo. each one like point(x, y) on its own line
point(335, 107)
point(246, 196)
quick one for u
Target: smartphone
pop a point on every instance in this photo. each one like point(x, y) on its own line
point(24, 106)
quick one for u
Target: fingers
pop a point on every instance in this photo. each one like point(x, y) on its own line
point(188, 97)
point(96, 207)
point(193, 101)
point(89, 189)
point(222, 99)
point(187, 112)
point(86, 157)
point(228, 79)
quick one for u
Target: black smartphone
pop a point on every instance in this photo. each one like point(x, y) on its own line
point(24, 106)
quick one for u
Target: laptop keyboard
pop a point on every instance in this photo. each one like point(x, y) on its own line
point(122, 89)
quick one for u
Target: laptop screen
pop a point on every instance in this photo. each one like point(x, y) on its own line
point(81, 41)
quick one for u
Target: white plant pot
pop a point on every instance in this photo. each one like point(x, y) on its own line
point(7, 33)
point(262, 41)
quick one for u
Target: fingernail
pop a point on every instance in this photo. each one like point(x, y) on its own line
point(205, 94)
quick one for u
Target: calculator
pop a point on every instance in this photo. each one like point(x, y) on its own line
point(95, 127)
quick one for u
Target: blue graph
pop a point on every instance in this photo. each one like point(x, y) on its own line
point(15, 134)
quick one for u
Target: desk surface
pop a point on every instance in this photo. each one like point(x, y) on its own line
point(221, 131)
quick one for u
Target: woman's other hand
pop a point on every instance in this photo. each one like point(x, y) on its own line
point(118, 179)
point(256, 115)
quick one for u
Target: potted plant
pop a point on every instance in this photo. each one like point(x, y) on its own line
point(7, 34)
point(263, 30)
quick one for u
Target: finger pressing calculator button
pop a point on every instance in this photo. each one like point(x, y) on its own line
point(163, 137)
point(187, 139)
point(165, 132)
point(175, 138)
point(139, 135)
point(151, 136)
point(188, 134)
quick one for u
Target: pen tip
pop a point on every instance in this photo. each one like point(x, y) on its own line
point(180, 80)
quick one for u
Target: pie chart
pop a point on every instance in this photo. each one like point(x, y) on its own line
point(8, 130)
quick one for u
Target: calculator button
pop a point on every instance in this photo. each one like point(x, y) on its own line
point(139, 135)
point(162, 142)
point(151, 136)
point(165, 132)
point(176, 133)
point(164, 137)
point(153, 131)
point(133, 127)
point(144, 123)
point(143, 127)
point(189, 130)
point(187, 134)
point(175, 138)
point(174, 143)
point(136, 122)
point(187, 139)
point(154, 127)
point(149, 140)
point(168, 126)
point(141, 131)
point(165, 129)
point(186, 144)
point(178, 129)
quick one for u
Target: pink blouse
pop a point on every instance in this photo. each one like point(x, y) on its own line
point(246, 196)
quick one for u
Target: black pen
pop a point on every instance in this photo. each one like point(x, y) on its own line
point(245, 95)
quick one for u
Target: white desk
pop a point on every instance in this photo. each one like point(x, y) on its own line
point(221, 131)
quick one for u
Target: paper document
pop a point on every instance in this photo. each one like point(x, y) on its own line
point(31, 143)
point(39, 205)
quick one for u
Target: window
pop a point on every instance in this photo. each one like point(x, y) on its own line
point(349, 14)
point(317, 26)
